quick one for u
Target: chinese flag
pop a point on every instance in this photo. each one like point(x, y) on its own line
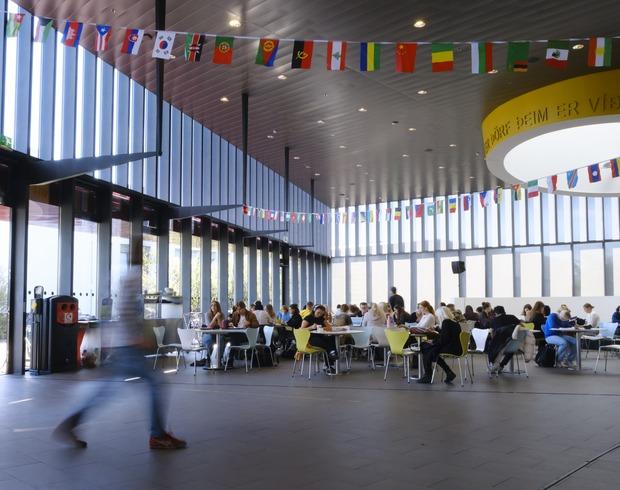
point(405, 57)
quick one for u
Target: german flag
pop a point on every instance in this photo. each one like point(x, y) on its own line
point(302, 54)
point(442, 56)
point(267, 50)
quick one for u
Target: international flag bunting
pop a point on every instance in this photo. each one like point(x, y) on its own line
point(532, 188)
point(442, 57)
point(599, 51)
point(42, 31)
point(246, 210)
point(594, 173)
point(103, 38)
point(371, 218)
point(336, 55)
point(419, 210)
point(613, 165)
point(481, 57)
point(466, 202)
point(405, 57)
point(194, 43)
point(370, 57)
point(409, 213)
point(223, 52)
point(430, 210)
point(288, 218)
point(388, 213)
point(498, 195)
point(516, 192)
point(518, 55)
point(572, 177)
point(552, 183)
point(72, 33)
point(483, 198)
point(397, 214)
point(132, 41)
point(439, 206)
point(162, 48)
point(557, 54)
point(362, 216)
point(267, 50)
point(452, 205)
point(302, 54)
point(13, 23)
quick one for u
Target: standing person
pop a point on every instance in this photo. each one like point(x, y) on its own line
point(395, 299)
point(124, 342)
point(307, 310)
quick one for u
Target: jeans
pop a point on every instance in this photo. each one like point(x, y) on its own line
point(125, 362)
point(567, 347)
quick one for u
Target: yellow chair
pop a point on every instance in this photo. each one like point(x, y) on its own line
point(397, 338)
point(302, 339)
point(464, 337)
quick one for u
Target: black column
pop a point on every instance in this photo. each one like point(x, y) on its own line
point(244, 126)
point(65, 259)
point(160, 25)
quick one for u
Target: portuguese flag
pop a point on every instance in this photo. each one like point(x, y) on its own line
point(442, 56)
point(223, 53)
point(405, 57)
point(302, 54)
point(481, 57)
point(267, 50)
point(557, 54)
point(518, 54)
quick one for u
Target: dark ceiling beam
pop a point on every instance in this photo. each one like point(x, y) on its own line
point(160, 25)
point(244, 126)
point(182, 212)
point(265, 232)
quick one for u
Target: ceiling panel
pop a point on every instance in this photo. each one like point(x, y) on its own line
point(451, 112)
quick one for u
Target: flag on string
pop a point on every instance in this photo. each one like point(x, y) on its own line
point(594, 173)
point(267, 51)
point(303, 218)
point(466, 202)
point(13, 24)
point(557, 54)
point(309, 218)
point(419, 210)
point(481, 57)
point(336, 55)
point(552, 183)
point(362, 216)
point(516, 192)
point(439, 206)
point(518, 54)
point(599, 51)
point(452, 205)
point(345, 217)
point(287, 217)
point(488, 198)
point(613, 165)
point(397, 214)
point(132, 41)
point(353, 215)
point(246, 209)
point(302, 54)
point(194, 42)
point(498, 195)
point(483, 198)
point(293, 217)
point(262, 214)
point(572, 177)
point(42, 31)
point(442, 57)
point(532, 188)
point(223, 52)
point(372, 216)
point(275, 215)
point(254, 212)
point(72, 33)
point(162, 48)
point(430, 210)
point(370, 56)
point(388, 214)
point(409, 212)
point(405, 57)
point(322, 218)
point(103, 37)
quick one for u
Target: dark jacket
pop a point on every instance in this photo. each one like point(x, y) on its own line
point(538, 320)
point(295, 321)
point(615, 318)
point(450, 338)
point(396, 300)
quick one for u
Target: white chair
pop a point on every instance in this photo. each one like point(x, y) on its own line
point(189, 343)
point(268, 333)
point(480, 336)
point(252, 335)
point(194, 319)
point(607, 332)
point(361, 341)
point(159, 337)
point(380, 342)
point(593, 338)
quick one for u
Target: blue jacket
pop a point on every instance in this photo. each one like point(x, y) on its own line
point(615, 318)
point(553, 321)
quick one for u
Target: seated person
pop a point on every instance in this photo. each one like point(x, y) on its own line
point(502, 326)
point(312, 322)
point(375, 317)
point(307, 310)
point(261, 315)
point(470, 314)
point(400, 316)
point(566, 345)
point(525, 311)
point(342, 317)
point(447, 342)
point(272, 314)
point(537, 316)
point(615, 318)
point(592, 318)
point(486, 315)
point(354, 311)
point(364, 308)
point(244, 318)
point(295, 320)
point(426, 317)
point(215, 319)
point(284, 315)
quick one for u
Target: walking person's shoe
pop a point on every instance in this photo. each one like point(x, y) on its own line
point(64, 434)
point(167, 441)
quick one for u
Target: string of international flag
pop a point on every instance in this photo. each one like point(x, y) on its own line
point(370, 59)
point(518, 192)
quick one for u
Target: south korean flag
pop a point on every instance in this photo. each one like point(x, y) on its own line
point(163, 45)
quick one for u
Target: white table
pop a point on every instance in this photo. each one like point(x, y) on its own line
point(578, 331)
point(218, 332)
point(336, 335)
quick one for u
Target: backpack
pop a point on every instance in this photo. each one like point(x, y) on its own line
point(546, 356)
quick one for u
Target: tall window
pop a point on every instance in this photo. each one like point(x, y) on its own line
point(120, 253)
point(5, 262)
point(42, 248)
point(560, 272)
point(149, 263)
point(246, 273)
point(85, 266)
point(402, 280)
point(10, 79)
point(425, 279)
point(449, 280)
point(231, 274)
point(502, 275)
point(379, 274)
point(475, 276)
point(196, 264)
point(531, 274)
point(361, 229)
point(372, 229)
point(358, 280)
point(215, 266)
point(338, 284)
point(174, 258)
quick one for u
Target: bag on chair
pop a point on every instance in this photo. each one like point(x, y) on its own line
point(546, 356)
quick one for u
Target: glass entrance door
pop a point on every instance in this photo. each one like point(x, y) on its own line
point(5, 262)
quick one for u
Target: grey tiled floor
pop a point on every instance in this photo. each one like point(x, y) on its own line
point(264, 430)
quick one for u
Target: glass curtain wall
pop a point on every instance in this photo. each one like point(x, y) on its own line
point(120, 255)
point(196, 265)
point(85, 266)
point(174, 258)
point(5, 264)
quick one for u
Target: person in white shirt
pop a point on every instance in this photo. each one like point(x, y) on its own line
point(592, 317)
point(426, 316)
point(261, 315)
point(375, 317)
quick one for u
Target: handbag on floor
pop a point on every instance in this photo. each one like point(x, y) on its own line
point(546, 356)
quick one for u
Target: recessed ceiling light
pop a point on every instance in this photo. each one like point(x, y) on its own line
point(320, 121)
point(332, 135)
point(404, 155)
point(419, 24)
point(332, 187)
point(282, 77)
point(371, 180)
point(422, 92)
point(412, 129)
point(224, 99)
point(452, 145)
point(270, 136)
point(472, 177)
point(342, 147)
point(441, 167)
point(362, 109)
point(307, 166)
point(358, 165)
point(578, 46)
point(365, 173)
point(493, 71)
point(394, 123)
point(234, 23)
point(316, 174)
point(275, 131)
point(296, 157)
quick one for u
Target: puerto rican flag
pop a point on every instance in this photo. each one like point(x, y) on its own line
point(132, 41)
point(103, 38)
point(72, 33)
point(336, 55)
